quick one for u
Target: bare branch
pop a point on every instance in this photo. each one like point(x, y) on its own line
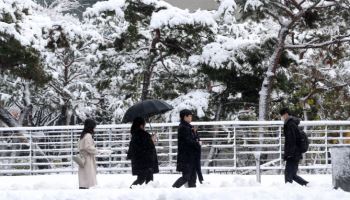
point(166, 68)
point(25, 114)
point(301, 3)
point(296, 4)
point(284, 8)
point(273, 16)
point(314, 5)
point(311, 45)
point(75, 76)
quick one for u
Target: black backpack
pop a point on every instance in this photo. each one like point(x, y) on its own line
point(303, 141)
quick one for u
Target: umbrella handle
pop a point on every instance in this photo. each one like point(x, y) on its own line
point(149, 122)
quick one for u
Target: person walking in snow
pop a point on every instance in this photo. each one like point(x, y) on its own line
point(87, 151)
point(292, 151)
point(142, 153)
point(188, 150)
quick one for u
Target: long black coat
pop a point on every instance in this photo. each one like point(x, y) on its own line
point(291, 133)
point(142, 153)
point(198, 159)
point(188, 147)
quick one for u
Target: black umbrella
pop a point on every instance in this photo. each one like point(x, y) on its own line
point(146, 109)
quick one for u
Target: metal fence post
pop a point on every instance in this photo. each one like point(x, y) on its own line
point(257, 162)
point(235, 148)
point(341, 135)
point(326, 145)
point(280, 147)
point(30, 153)
point(170, 137)
point(72, 149)
point(110, 147)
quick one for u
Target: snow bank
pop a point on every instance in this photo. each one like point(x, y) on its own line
point(64, 187)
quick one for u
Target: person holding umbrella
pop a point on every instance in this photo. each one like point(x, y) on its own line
point(142, 153)
point(188, 151)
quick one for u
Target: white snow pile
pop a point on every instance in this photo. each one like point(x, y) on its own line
point(227, 10)
point(215, 187)
point(112, 5)
point(254, 4)
point(194, 100)
point(346, 69)
point(224, 52)
point(30, 25)
point(175, 16)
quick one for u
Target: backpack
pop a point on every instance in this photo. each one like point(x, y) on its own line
point(303, 141)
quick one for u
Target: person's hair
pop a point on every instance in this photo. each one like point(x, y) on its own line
point(89, 126)
point(284, 111)
point(136, 124)
point(184, 113)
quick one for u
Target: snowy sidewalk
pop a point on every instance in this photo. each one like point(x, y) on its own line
point(115, 187)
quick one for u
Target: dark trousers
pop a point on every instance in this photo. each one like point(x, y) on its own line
point(142, 178)
point(290, 173)
point(188, 176)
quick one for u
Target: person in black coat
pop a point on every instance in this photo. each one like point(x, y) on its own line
point(188, 151)
point(292, 152)
point(142, 153)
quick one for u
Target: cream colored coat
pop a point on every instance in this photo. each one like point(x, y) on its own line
point(87, 174)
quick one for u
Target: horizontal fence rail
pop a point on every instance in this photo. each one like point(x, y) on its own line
point(227, 147)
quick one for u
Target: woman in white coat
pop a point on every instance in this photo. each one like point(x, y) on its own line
point(88, 151)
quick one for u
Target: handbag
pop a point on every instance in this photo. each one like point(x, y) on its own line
point(80, 160)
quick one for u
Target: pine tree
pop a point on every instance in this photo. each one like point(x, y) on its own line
point(303, 25)
point(144, 52)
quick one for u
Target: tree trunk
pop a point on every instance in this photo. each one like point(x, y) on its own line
point(25, 119)
point(266, 88)
point(65, 115)
point(7, 118)
point(147, 75)
point(214, 142)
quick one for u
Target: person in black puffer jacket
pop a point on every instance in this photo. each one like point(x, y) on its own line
point(292, 152)
point(142, 153)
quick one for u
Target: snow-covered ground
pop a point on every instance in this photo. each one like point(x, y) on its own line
point(114, 187)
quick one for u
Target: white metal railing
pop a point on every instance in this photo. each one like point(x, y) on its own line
point(228, 146)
